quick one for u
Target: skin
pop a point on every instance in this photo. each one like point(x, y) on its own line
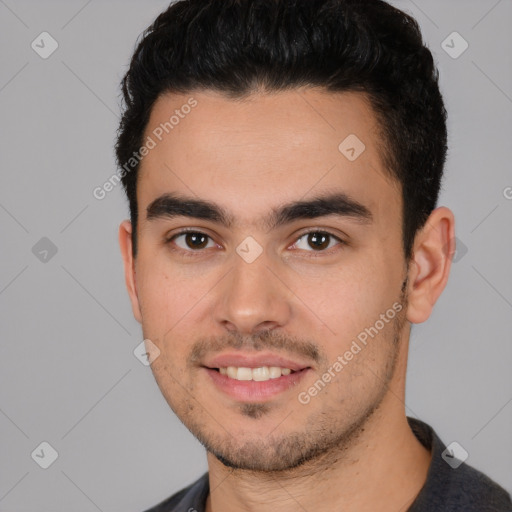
point(350, 448)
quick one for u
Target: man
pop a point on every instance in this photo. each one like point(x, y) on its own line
point(282, 161)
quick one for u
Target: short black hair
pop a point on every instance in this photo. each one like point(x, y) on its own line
point(238, 47)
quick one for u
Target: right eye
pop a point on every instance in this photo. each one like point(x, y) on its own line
point(189, 241)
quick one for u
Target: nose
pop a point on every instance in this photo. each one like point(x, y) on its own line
point(253, 297)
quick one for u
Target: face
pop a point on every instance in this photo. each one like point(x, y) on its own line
point(270, 271)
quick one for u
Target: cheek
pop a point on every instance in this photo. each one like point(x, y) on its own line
point(173, 382)
point(163, 288)
point(162, 298)
point(349, 298)
point(172, 301)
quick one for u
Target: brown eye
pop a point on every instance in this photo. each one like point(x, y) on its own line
point(196, 240)
point(191, 240)
point(319, 241)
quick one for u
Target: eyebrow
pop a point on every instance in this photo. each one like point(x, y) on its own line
point(339, 204)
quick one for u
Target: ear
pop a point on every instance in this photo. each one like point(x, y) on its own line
point(125, 243)
point(433, 251)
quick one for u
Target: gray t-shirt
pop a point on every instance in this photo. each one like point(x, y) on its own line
point(446, 489)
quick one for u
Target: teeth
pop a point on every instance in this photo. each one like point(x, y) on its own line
point(260, 374)
point(257, 374)
point(275, 372)
point(244, 374)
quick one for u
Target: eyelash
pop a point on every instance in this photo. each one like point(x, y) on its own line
point(195, 253)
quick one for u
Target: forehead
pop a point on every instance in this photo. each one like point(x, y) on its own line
point(244, 153)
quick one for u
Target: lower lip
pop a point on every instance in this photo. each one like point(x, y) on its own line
point(255, 391)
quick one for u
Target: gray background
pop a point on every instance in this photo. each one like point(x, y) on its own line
point(68, 375)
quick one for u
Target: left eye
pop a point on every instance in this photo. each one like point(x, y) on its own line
point(318, 240)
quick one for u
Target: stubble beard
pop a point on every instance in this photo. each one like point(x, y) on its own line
point(323, 440)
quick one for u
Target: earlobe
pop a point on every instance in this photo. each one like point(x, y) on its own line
point(125, 244)
point(433, 251)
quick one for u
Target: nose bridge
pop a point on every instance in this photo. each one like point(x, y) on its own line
point(252, 296)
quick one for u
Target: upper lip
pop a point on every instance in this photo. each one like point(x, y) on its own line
point(253, 361)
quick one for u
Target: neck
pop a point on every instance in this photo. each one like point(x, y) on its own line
point(383, 469)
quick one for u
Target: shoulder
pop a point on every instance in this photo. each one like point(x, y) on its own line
point(481, 490)
point(189, 499)
point(455, 487)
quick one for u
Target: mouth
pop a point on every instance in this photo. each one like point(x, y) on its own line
point(254, 379)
